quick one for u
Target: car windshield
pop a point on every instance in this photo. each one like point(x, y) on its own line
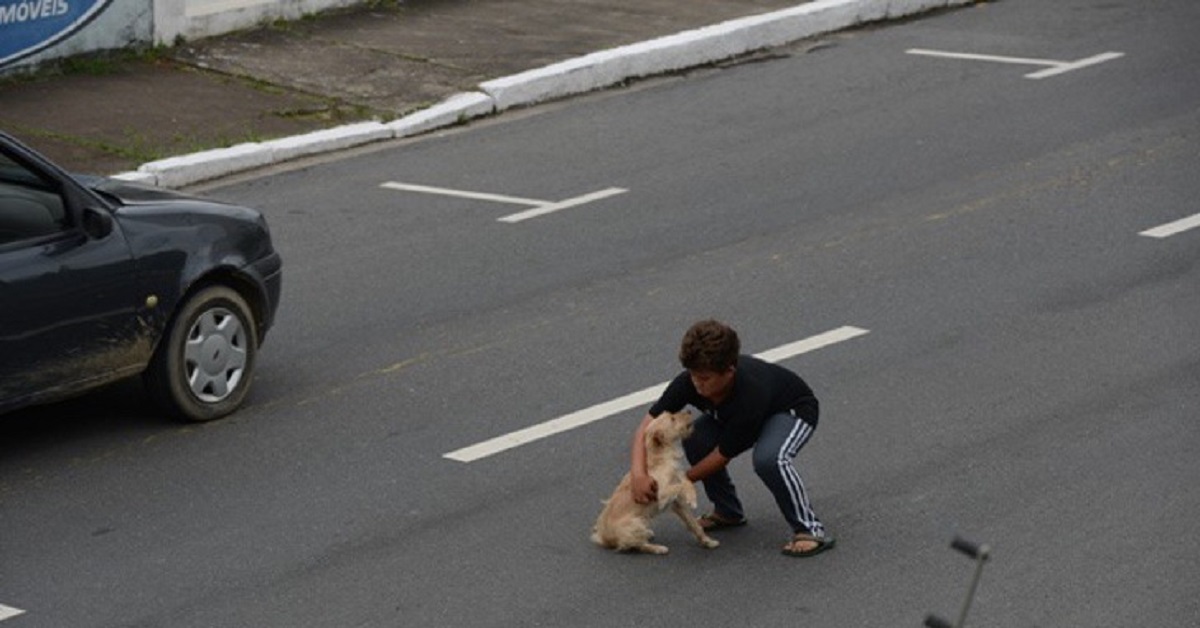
point(12, 171)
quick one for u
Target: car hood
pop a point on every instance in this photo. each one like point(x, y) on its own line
point(140, 201)
point(130, 193)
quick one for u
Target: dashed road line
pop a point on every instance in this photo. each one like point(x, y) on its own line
point(8, 612)
point(1173, 228)
point(604, 410)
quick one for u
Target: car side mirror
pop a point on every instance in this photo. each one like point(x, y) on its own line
point(97, 223)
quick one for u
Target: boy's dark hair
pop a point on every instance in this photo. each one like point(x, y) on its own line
point(709, 346)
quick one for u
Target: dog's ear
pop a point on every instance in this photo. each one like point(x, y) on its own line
point(655, 438)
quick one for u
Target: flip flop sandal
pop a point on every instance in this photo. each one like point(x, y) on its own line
point(823, 543)
point(713, 521)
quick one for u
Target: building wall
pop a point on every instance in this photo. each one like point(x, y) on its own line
point(194, 19)
point(36, 31)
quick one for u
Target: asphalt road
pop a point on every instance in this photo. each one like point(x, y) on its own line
point(1028, 377)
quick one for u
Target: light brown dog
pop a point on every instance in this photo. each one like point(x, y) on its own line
point(624, 525)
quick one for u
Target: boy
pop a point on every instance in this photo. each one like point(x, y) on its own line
point(745, 402)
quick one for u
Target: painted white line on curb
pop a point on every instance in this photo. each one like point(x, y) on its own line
point(1054, 67)
point(1173, 228)
point(539, 208)
point(8, 612)
point(696, 47)
point(581, 74)
point(632, 400)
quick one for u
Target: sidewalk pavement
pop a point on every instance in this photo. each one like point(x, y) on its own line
point(210, 108)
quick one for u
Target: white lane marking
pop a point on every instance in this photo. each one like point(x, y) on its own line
point(553, 207)
point(539, 207)
point(841, 334)
point(1063, 68)
point(632, 400)
point(478, 196)
point(978, 57)
point(1173, 228)
point(1054, 68)
point(8, 612)
point(563, 423)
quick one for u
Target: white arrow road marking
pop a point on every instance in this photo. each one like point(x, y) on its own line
point(540, 208)
point(632, 400)
point(8, 612)
point(1173, 228)
point(1054, 68)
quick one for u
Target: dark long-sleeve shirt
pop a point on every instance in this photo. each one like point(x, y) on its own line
point(760, 390)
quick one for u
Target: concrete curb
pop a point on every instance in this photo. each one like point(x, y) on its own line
point(454, 110)
point(326, 140)
point(210, 164)
point(582, 74)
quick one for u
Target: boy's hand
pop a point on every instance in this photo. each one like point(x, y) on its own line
point(644, 488)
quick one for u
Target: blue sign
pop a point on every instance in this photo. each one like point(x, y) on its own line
point(30, 26)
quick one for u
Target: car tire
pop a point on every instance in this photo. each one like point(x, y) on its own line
point(204, 363)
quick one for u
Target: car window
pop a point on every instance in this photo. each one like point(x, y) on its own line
point(30, 206)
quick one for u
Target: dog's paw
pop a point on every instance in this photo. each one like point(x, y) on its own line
point(710, 543)
point(651, 548)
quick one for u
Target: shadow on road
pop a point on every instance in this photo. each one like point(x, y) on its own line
point(122, 410)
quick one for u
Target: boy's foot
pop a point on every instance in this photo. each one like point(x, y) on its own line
point(804, 545)
point(713, 521)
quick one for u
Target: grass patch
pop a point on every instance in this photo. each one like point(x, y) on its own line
point(104, 63)
point(134, 147)
point(329, 112)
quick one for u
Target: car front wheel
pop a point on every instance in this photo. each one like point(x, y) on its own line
point(204, 363)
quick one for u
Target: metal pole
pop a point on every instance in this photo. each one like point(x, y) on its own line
point(978, 552)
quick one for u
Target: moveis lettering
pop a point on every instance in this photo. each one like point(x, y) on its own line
point(30, 10)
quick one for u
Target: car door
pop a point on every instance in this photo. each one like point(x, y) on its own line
point(68, 293)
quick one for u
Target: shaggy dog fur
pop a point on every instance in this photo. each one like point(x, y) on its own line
point(624, 525)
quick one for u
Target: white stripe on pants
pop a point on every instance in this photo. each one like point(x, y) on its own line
point(781, 439)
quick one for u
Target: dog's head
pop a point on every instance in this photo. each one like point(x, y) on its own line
point(668, 428)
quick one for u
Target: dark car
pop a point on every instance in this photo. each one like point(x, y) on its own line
point(102, 279)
